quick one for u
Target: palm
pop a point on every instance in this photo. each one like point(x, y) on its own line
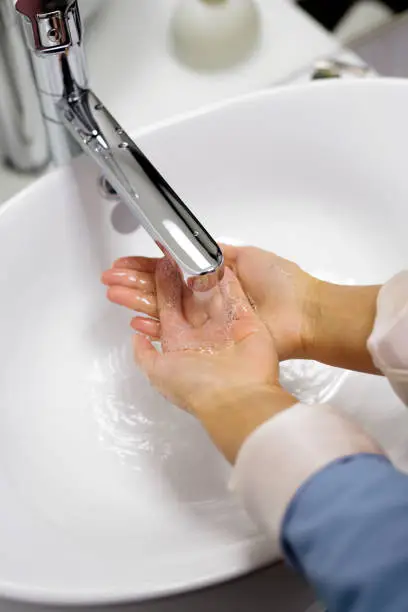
point(218, 357)
point(208, 345)
point(279, 290)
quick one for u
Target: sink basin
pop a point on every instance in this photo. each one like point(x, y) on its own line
point(109, 493)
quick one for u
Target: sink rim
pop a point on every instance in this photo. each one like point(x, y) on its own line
point(92, 596)
point(286, 90)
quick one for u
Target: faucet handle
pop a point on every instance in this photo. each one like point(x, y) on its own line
point(51, 26)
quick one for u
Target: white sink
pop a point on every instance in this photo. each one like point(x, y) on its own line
point(107, 492)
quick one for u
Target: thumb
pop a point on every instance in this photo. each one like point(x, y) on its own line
point(146, 356)
point(230, 255)
point(231, 289)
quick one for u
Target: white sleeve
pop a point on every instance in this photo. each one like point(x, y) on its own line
point(287, 450)
point(388, 344)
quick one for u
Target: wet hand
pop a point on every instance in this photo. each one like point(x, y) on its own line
point(215, 350)
point(283, 295)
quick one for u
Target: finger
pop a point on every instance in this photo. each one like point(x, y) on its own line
point(230, 251)
point(134, 300)
point(231, 287)
point(238, 312)
point(169, 286)
point(146, 356)
point(142, 264)
point(148, 327)
point(234, 298)
point(130, 278)
point(195, 307)
point(230, 255)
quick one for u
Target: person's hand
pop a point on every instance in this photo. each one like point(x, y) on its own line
point(218, 359)
point(307, 318)
point(282, 293)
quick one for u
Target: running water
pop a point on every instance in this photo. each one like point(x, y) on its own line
point(205, 323)
point(309, 381)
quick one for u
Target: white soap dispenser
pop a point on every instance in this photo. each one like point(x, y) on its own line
point(210, 35)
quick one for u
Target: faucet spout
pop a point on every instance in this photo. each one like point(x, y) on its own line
point(157, 206)
point(71, 108)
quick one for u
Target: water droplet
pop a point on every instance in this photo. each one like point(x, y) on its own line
point(119, 131)
point(85, 137)
point(123, 145)
point(99, 106)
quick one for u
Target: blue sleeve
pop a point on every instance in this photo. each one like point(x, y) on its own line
point(346, 530)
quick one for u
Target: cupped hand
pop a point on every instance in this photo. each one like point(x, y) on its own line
point(283, 295)
point(214, 348)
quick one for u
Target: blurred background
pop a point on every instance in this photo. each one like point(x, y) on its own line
point(351, 18)
point(376, 29)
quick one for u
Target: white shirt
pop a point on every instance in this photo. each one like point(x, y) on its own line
point(288, 449)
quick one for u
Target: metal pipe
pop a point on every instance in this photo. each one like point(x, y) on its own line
point(23, 137)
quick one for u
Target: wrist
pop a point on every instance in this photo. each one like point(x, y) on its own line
point(231, 416)
point(311, 318)
point(340, 320)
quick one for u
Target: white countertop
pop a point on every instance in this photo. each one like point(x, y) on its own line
point(149, 85)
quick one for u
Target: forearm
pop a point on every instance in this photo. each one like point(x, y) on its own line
point(341, 319)
point(230, 418)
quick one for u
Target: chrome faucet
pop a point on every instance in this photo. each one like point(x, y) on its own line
point(23, 139)
point(76, 120)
